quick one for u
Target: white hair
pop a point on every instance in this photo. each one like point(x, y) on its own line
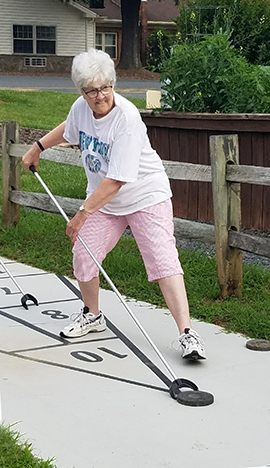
point(91, 67)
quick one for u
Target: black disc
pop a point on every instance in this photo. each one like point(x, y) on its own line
point(177, 384)
point(258, 345)
point(197, 398)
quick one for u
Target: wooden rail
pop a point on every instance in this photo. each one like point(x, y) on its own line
point(225, 174)
point(185, 137)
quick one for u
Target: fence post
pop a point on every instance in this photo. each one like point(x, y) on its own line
point(10, 174)
point(227, 213)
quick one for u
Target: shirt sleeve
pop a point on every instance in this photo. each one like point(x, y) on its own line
point(127, 148)
point(71, 133)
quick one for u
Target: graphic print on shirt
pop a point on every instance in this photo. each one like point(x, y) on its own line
point(96, 150)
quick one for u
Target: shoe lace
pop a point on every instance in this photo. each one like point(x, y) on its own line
point(78, 317)
point(186, 338)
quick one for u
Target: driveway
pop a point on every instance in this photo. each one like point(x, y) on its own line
point(126, 87)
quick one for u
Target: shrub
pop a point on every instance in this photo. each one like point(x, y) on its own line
point(211, 76)
point(159, 45)
point(248, 22)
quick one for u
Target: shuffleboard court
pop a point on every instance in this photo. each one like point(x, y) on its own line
point(102, 401)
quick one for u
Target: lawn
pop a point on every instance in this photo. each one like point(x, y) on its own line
point(40, 109)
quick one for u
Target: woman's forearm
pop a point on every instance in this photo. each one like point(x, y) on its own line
point(53, 138)
point(105, 192)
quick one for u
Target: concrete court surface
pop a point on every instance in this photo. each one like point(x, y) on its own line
point(101, 401)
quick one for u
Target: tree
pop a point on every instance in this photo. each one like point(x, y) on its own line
point(130, 47)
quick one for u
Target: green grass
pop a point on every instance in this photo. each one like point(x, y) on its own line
point(40, 109)
point(35, 109)
point(16, 453)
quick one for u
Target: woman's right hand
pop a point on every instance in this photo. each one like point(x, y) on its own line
point(31, 157)
point(74, 226)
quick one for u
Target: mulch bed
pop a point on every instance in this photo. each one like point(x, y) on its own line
point(27, 135)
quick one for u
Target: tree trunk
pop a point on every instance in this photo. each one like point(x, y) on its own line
point(143, 30)
point(130, 47)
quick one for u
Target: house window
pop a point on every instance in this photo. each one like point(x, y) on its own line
point(23, 39)
point(33, 39)
point(96, 3)
point(108, 43)
point(45, 39)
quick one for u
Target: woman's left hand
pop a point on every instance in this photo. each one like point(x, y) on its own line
point(74, 226)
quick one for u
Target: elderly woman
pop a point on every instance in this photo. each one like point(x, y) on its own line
point(127, 186)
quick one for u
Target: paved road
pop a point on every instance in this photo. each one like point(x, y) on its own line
point(126, 87)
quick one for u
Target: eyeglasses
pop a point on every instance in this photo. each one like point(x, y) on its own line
point(93, 93)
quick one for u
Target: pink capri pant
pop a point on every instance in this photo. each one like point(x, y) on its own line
point(152, 229)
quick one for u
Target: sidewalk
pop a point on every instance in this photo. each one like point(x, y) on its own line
point(94, 403)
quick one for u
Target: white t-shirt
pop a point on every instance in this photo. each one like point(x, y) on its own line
point(117, 146)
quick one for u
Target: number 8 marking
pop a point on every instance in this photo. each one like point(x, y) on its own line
point(55, 314)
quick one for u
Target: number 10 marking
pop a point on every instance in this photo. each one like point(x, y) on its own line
point(87, 356)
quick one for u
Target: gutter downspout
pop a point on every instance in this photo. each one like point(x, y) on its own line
point(87, 21)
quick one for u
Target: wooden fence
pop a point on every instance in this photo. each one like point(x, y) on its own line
point(224, 174)
point(185, 137)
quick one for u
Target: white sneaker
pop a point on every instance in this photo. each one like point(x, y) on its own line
point(192, 345)
point(83, 323)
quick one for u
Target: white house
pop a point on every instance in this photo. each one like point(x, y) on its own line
point(43, 33)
